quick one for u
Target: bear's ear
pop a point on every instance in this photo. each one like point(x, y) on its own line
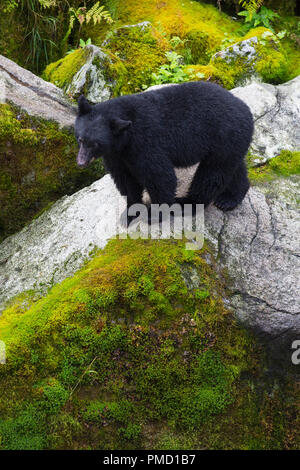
point(83, 105)
point(119, 125)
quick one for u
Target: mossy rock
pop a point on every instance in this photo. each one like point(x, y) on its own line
point(261, 56)
point(83, 71)
point(285, 164)
point(136, 51)
point(62, 72)
point(178, 18)
point(272, 65)
point(37, 167)
point(129, 354)
point(205, 72)
point(197, 44)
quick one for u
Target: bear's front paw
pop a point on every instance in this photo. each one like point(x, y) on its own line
point(225, 202)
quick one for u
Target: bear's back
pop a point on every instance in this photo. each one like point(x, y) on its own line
point(184, 121)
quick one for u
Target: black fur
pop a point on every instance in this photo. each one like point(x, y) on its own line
point(143, 137)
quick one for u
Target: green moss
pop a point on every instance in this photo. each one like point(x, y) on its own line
point(205, 72)
point(272, 65)
point(128, 353)
point(233, 73)
point(197, 45)
point(178, 18)
point(285, 164)
point(256, 32)
point(136, 52)
point(61, 72)
point(37, 166)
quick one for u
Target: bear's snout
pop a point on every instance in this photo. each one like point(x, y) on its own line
point(83, 158)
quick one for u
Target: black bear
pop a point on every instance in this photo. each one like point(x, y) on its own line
point(142, 137)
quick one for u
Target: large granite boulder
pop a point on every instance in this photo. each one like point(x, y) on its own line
point(276, 111)
point(34, 95)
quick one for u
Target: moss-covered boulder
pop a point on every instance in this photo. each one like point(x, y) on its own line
point(83, 71)
point(37, 166)
point(124, 64)
point(137, 51)
point(259, 56)
point(129, 353)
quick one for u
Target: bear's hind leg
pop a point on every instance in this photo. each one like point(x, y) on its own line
point(236, 190)
point(207, 183)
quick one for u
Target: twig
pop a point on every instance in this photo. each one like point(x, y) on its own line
point(81, 377)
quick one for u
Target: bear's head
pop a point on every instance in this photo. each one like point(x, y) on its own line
point(98, 132)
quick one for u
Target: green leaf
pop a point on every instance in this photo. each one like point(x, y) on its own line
point(281, 34)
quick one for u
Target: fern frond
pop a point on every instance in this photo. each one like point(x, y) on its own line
point(97, 13)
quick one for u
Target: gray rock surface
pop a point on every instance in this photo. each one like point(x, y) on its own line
point(245, 49)
point(55, 245)
point(258, 243)
point(34, 95)
point(276, 112)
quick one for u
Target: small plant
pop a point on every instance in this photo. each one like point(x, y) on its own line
point(176, 41)
point(263, 17)
point(172, 72)
point(82, 45)
point(96, 14)
point(267, 35)
point(131, 433)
